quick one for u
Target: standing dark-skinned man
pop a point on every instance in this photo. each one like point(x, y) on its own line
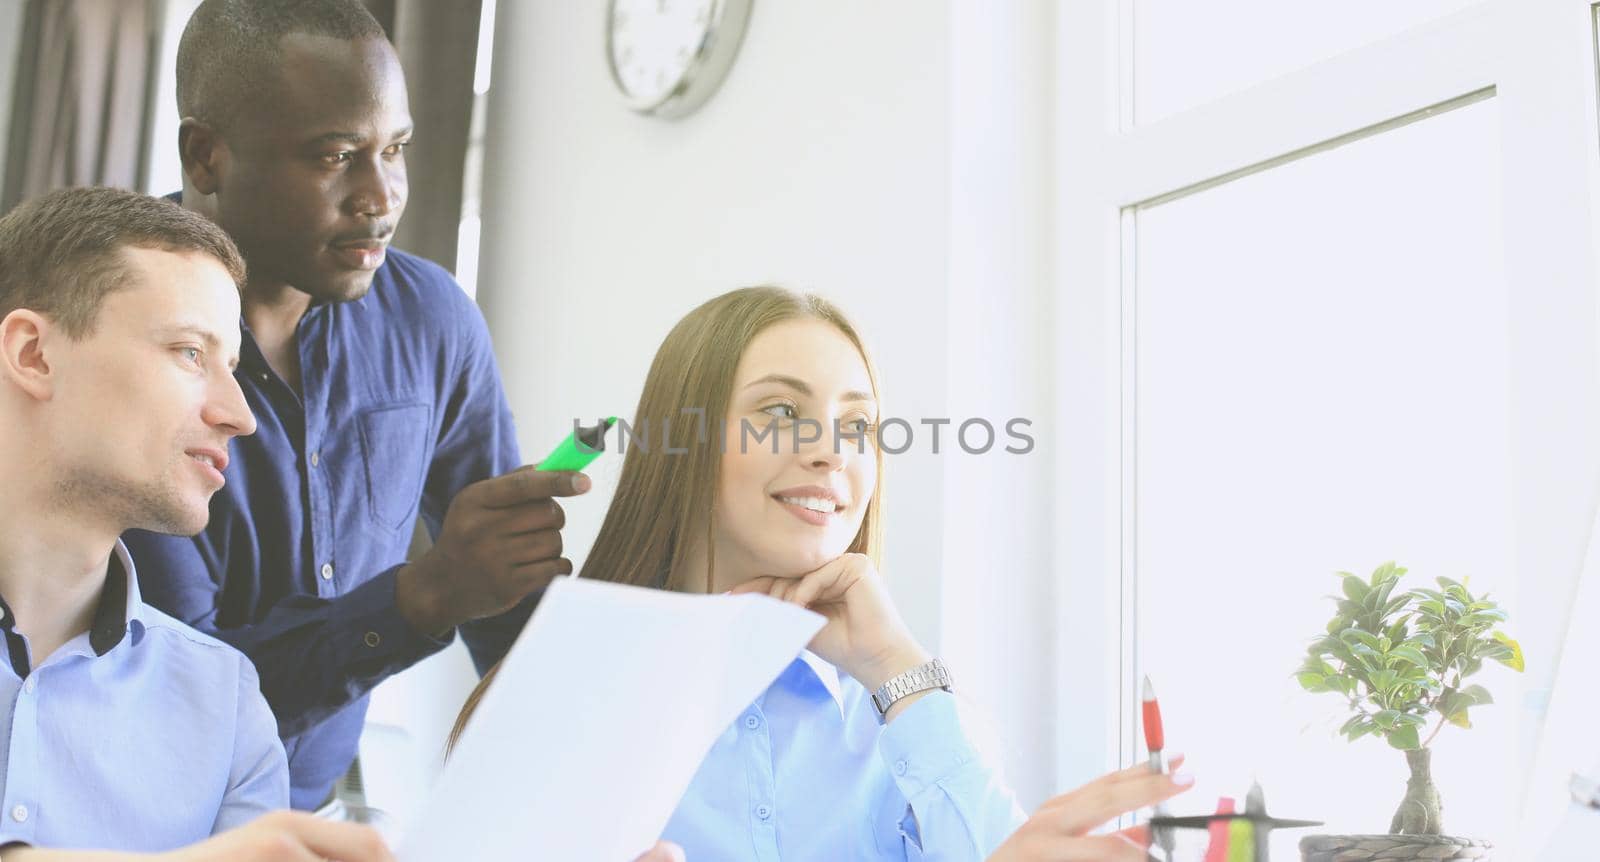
point(372, 379)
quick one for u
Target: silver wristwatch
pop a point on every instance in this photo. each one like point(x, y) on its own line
point(920, 678)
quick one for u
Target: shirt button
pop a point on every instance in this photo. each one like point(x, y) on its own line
point(29, 685)
point(899, 767)
point(327, 571)
point(752, 722)
point(372, 639)
point(20, 814)
point(763, 812)
point(264, 376)
point(314, 459)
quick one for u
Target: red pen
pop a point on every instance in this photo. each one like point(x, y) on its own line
point(1155, 741)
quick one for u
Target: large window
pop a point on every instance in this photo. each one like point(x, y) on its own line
point(1334, 280)
point(1318, 387)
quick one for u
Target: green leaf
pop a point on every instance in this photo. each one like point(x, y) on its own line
point(1450, 702)
point(1311, 682)
point(1361, 730)
point(1485, 618)
point(1460, 720)
point(1413, 720)
point(1361, 637)
point(1477, 695)
point(1410, 673)
point(1515, 662)
point(1405, 738)
point(1386, 589)
point(1354, 588)
point(1366, 656)
point(1498, 653)
point(1343, 654)
point(1386, 718)
point(1385, 680)
point(1410, 654)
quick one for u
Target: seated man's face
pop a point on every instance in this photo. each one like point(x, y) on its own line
point(145, 404)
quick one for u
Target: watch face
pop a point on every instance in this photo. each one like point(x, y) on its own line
point(654, 45)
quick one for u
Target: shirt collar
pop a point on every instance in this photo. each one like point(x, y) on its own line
point(827, 674)
point(114, 616)
point(119, 603)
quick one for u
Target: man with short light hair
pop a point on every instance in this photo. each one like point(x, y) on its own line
point(120, 727)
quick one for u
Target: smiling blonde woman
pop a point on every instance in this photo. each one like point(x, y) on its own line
point(857, 750)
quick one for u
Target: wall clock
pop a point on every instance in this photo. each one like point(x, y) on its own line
point(668, 56)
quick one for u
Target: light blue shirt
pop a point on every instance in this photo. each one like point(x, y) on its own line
point(138, 735)
point(808, 772)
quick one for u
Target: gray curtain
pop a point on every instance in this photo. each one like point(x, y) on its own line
point(438, 47)
point(81, 103)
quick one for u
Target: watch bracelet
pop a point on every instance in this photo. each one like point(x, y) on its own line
point(924, 677)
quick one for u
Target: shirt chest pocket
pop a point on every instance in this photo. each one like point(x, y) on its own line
point(395, 450)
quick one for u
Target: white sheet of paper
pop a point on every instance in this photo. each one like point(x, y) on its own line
point(598, 720)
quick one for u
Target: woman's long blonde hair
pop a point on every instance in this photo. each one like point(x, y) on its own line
point(664, 496)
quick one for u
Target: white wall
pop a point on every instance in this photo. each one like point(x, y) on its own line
point(831, 160)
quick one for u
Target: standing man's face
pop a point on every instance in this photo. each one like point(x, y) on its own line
point(312, 174)
point(144, 405)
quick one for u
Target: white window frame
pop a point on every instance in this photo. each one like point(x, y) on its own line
point(1537, 58)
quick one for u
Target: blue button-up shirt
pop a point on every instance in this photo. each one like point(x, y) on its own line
point(400, 407)
point(139, 735)
point(807, 772)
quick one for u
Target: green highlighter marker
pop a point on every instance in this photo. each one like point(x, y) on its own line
point(580, 448)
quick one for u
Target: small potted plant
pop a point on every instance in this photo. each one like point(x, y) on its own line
point(1401, 663)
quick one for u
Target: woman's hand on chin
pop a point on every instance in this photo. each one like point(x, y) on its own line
point(864, 635)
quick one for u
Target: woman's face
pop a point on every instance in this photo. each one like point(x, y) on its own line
point(787, 512)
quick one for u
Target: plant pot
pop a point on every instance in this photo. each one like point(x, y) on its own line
point(1420, 813)
point(1359, 848)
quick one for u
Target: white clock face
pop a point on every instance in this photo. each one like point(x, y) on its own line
point(654, 43)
